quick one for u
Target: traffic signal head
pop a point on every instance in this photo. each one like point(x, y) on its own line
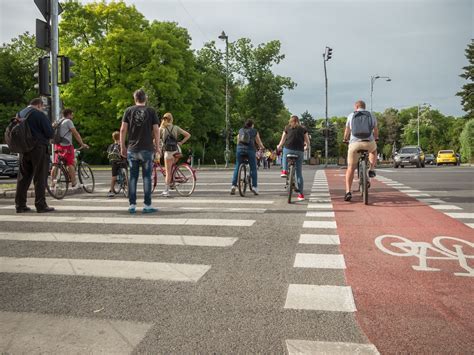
point(329, 53)
point(66, 73)
point(42, 75)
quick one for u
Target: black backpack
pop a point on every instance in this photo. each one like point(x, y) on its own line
point(18, 134)
point(244, 136)
point(171, 142)
point(362, 125)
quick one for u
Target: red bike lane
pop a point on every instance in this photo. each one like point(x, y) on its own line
point(406, 303)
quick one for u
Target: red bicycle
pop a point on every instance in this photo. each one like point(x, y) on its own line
point(183, 178)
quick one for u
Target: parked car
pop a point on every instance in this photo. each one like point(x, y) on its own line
point(409, 155)
point(430, 159)
point(446, 157)
point(8, 162)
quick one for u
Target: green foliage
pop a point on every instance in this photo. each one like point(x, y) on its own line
point(467, 92)
point(467, 142)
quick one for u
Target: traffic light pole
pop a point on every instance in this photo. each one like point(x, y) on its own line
point(326, 131)
point(54, 60)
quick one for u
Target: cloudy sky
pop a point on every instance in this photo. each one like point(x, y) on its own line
point(418, 43)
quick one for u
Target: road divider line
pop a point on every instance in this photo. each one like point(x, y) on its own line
point(445, 207)
point(299, 347)
point(320, 239)
point(320, 298)
point(320, 214)
point(460, 215)
point(319, 261)
point(105, 268)
point(320, 224)
point(320, 206)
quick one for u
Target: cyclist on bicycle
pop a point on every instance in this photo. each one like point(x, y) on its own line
point(295, 139)
point(361, 128)
point(171, 147)
point(116, 160)
point(247, 138)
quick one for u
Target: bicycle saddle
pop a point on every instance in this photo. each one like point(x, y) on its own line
point(292, 156)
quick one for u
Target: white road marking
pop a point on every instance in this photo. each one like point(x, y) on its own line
point(417, 195)
point(429, 201)
point(323, 239)
point(28, 333)
point(460, 215)
point(322, 194)
point(105, 268)
point(320, 261)
point(470, 225)
point(307, 347)
point(445, 207)
point(413, 191)
point(321, 206)
point(180, 200)
point(320, 298)
point(320, 224)
point(319, 214)
point(204, 241)
point(138, 219)
point(319, 200)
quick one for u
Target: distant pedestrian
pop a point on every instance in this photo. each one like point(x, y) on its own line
point(34, 164)
point(142, 125)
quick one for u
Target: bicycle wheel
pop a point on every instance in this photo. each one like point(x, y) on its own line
point(124, 173)
point(154, 182)
point(184, 179)
point(86, 177)
point(242, 182)
point(249, 179)
point(291, 182)
point(58, 184)
point(365, 183)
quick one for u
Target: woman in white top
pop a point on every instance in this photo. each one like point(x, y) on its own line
point(171, 146)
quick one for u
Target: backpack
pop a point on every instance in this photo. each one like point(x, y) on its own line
point(362, 125)
point(57, 138)
point(244, 136)
point(170, 143)
point(18, 135)
point(113, 152)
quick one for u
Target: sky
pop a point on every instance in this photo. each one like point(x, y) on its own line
point(419, 44)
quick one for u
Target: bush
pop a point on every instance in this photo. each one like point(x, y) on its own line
point(467, 142)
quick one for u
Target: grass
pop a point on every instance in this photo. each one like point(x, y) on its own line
point(7, 186)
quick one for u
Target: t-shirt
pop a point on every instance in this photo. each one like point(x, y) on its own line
point(140, 120)
point(349, 125)
point(39, 124)
point(295, 137)
point(172, 129)
point(65, 132)
point(253, 134)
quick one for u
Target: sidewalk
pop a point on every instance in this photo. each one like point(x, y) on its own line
point(11, 191)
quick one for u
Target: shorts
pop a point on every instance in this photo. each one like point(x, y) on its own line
point(170, 155)
point(67, 152)
point(353, 156)
point(116, 165)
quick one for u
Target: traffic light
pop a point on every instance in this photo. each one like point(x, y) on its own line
point(42, 75)
point(66, 73)
point(328, 53)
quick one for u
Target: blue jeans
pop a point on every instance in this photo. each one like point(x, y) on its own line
point(299, 166)
point(135, 159)
point(252, 163)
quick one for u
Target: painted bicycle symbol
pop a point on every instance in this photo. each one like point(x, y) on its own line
point(443, 248)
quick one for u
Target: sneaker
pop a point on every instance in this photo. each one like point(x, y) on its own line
point(23, 209)
point(255, 190)
point(232, 190)
point(149, 209)
point(284, 173)
point(165, 193)
point(347, 196)
point(132, 209)
point(372, 173)
point(110, 194)
point(300, 197)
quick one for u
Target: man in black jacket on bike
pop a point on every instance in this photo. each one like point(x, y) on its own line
point(34, 164)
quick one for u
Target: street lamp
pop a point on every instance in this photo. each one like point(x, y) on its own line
point(225, 38)
point(326, 56)
point(424, 105)
point(372, 81)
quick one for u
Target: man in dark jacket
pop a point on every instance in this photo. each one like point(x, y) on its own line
point(34, 164)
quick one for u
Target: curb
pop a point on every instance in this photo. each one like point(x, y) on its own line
point(10, 194)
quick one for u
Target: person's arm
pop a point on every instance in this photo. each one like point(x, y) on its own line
point(186, 135)
point(123, 136)
point(376, 133)
point(347, 134)
point(78, 137)
point(282, 140)
point(259, 141)
point(306, 141)
point(156, 135)
point(47, 127)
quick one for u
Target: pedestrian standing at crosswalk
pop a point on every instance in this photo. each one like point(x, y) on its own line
point(143, 126)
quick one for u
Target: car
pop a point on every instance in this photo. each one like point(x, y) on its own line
point(9, 162)
point(409, 155)
point(430, 159)
point(446, 157)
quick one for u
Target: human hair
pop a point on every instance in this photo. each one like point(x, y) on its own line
point(248, 123)
point(167, 120)
point(116, 136)
point(360, 104)
point(140, 96)
point(294, 121)
point(67, 112)
point(37, 102)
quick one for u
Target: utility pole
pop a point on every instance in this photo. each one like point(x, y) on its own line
point(326, 56)
point(54, 59)
point(223, 36)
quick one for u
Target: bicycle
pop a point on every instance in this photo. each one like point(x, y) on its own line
point(363, 174)
point(243, 178)
point(183, 177)
point(58, 184)
point(121, 182)
point(291, 184)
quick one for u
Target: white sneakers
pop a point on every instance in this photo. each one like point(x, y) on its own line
point(255, 190)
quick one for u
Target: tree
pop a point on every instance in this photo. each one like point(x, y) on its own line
point(467, 142)
point(467, 92)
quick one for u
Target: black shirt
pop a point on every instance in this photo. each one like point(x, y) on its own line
point(140, 121)
point(40, 126)
point(295, 137)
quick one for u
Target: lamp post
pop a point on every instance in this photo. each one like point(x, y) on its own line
point(225, 38)
point(372, 81)
point(326, 56)
point(424, 105)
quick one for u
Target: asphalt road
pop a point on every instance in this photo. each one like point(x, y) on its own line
point(211, 273)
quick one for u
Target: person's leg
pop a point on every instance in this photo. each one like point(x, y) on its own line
point(372, 148)
point(40, 175)
point(23, 180)
point(284, 160)
point(351, 165)
point(72, 174)
point(299, 170)
point(147, 167)
point(253, 168)
point(169, 164)
point(134, 164)
point(236, 168)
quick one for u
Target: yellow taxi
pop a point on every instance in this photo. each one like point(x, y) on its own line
point(446, 157)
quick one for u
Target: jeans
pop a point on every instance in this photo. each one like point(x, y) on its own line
point(299, 166)
point(135, 159)
point(252, 163)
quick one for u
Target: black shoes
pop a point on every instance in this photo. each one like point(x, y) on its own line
point(45, 209)
point(348, 196)
point(372, 173)
point(23, 209)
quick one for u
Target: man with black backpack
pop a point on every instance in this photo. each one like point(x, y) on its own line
point(34, 163)
point(361, 128)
